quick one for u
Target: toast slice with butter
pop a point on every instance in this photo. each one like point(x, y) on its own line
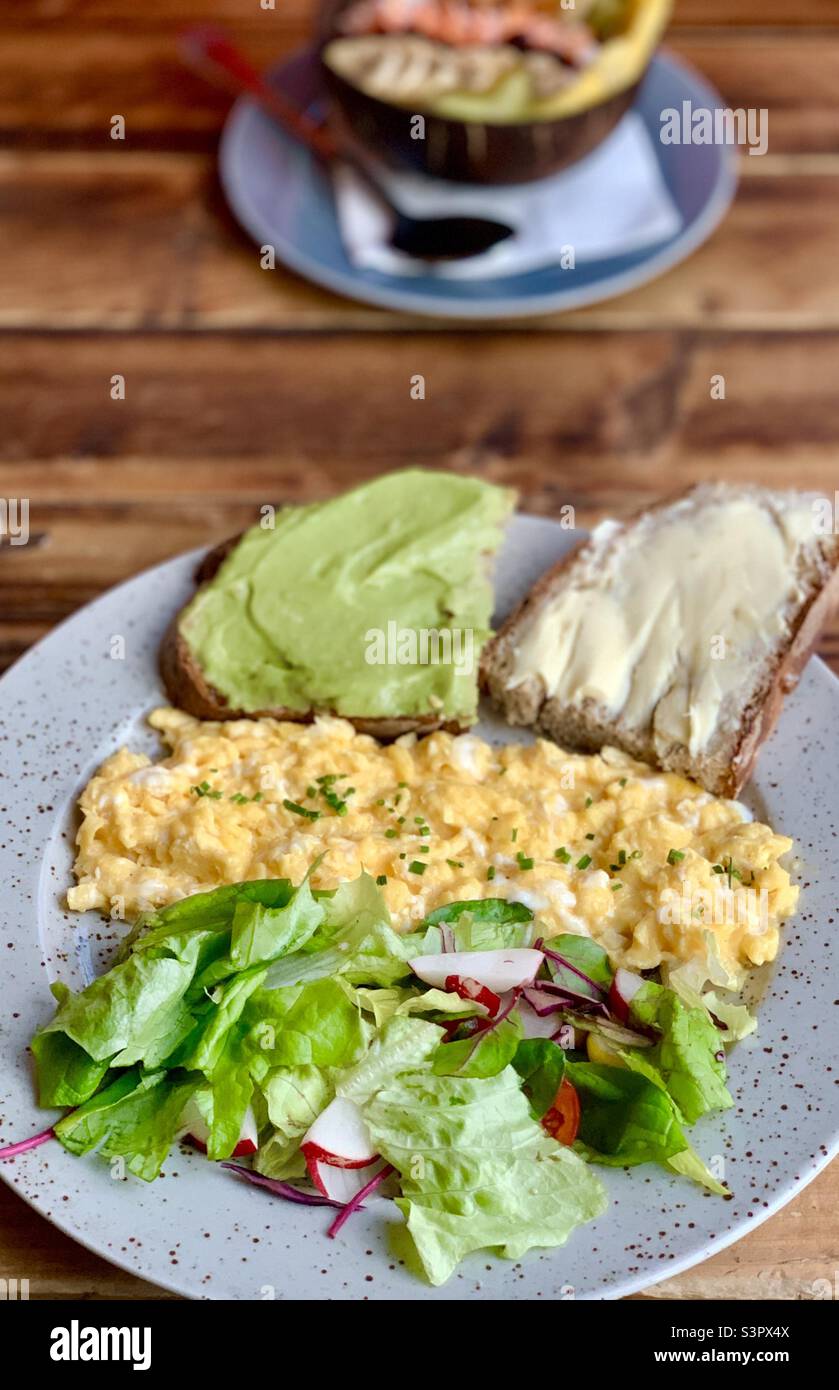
point(675, 635)
point(373, 606)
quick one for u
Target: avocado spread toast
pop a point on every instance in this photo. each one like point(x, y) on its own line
point(373, 606)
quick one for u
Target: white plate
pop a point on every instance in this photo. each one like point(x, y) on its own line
point(200, 1232)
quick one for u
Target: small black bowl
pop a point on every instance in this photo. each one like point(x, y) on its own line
point(466, 151)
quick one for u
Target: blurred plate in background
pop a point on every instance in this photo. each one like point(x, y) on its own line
point(283, 199)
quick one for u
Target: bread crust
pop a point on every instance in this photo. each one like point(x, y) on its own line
point(188, 689)
point(527, 704)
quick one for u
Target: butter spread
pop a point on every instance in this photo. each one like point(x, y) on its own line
point(673, 618)
point(336, 606)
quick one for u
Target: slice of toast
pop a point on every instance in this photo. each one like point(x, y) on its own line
point(189, 690)
point(399, 567)
point(675, 635)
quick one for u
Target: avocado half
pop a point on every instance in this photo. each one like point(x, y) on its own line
point(492, 144)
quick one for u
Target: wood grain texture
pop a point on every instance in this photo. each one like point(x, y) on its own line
point(143, 241)
point(94, 74)
point(245, 387)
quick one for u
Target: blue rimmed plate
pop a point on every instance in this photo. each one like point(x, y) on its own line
point(282, 198)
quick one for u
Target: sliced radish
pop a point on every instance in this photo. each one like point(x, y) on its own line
point(624, 988)
point(339, 1138)
point(196, 1131)
point(498, 971)
point(534, 1024)
point(342, 1184)
point(475, 992)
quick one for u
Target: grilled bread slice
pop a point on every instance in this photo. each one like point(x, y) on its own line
point(285, 611)
point(675, 635)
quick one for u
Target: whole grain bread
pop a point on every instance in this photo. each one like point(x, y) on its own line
point(746, 717)
point(189, 690)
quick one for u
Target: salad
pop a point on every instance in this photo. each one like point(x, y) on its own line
point(469, 1071)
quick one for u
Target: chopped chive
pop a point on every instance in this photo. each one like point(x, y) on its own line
point(400, 820)
point(514, 836)
point(589, 800)
point(419, 820)
point(401, 784)
point(616, 886)
point(424, 849)
point(490, 873)
point(301, 810)
point(589, 837)
point(621, 857)
point(675, 856)
point(311, 791)
point(562, 855)
point(636, 854)
point(455, 863)
point(523, 861)
point(333, 799)
point(416, 866)
point(717, 869)
point(390, 834)
point(622, 782)
point(381, 801)
point(584, 861)
point(381, 880)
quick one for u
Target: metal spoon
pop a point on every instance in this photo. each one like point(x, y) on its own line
point(211, 53)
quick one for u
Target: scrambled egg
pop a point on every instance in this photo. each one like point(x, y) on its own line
point(648, 864)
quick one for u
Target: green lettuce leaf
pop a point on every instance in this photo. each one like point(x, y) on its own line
point(541, 1065)
point(136, 1117)
point(485, 1053)
point(476, 1169)
point(586, 955)
point(259, 933)
point(625, 1118)
point(690, 1165)
point(687, 1057)
point(317, 1024)
point(404, 1044)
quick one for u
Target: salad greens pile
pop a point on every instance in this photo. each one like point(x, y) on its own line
point(265, 999)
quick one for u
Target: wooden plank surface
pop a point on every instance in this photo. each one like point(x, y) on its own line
point(143, 241)
point(245, 386)
point(93, 75)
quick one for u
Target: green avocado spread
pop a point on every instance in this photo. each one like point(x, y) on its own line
point(376, 603)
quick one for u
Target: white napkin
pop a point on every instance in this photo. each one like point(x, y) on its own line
point(613, 202)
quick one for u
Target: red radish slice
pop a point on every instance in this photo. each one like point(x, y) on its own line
point(197, 1131)
point(498, 971)
point(475, 992)
point(624, 988)
point(534, 1025)
point(342, 1184)
point(339, 1137)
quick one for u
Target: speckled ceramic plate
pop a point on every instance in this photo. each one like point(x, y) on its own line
point(198, 1231)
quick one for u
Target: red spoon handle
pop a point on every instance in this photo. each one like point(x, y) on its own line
point(208, 50)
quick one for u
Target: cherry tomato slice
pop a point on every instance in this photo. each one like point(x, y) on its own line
point(562, 1121)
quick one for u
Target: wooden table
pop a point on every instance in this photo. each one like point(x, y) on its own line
point(245, 386)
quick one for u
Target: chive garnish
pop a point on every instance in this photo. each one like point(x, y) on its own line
point(616, 886)
point(562, 855)
point(390, 834)
point(381, 880)
point(589, 800)
point(455, 863)
point(416, 866)
point(301, 810)
point(523, 861)
point(675, 856)
point(490, 873)
point(514, 836)
point(590, 836)
point(584, 862)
